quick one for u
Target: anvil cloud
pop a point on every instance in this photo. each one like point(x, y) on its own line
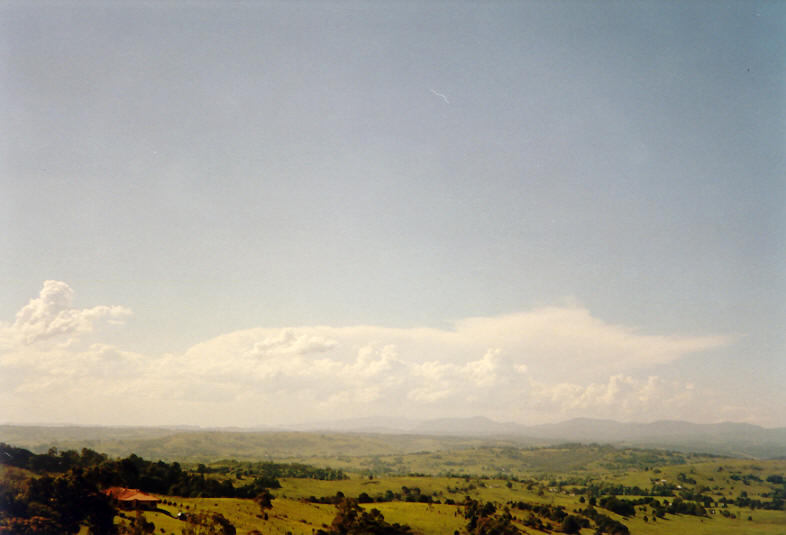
point(57, 365)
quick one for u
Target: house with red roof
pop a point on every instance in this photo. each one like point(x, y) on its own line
point(132, 498)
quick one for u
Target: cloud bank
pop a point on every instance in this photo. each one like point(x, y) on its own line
point(544, 364)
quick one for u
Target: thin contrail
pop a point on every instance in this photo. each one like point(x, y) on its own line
point(441, 96)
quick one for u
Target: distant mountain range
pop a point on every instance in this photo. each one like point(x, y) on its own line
point(727, 438)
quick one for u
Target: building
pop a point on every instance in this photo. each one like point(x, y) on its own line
point(132, 498)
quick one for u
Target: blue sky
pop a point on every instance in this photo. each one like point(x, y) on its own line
point(602, 187)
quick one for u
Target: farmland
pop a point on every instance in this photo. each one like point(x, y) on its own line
point(404, 499)
point(568, 488)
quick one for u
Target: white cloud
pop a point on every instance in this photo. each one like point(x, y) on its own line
point(619, 392)
point(499, 366)
point(50, 316)
point(569, 336)
point(291, 342)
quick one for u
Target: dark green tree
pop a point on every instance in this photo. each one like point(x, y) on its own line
point(351, 519)
point(264, 499)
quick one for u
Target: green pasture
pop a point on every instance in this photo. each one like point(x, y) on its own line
point(293, 513)
point(301, 518)
point(503, 460)
point(504, 476)
point(291, 516)
point(537, 480)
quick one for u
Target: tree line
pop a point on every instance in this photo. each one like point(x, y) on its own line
point(66, 494)
point(133, 472)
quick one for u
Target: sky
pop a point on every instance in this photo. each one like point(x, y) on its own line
point(261, 213)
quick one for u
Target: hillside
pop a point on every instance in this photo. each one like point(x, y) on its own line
point(364, 438)
point(372, 437)
point(559, 489)
point(205, 446)
point(726, 438)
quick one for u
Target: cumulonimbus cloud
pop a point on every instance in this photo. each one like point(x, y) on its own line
point(51, 315)
point(500, 366)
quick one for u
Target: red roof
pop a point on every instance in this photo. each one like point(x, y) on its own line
point(123, 494)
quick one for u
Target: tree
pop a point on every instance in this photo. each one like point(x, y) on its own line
point(571, 524)
point(481, 519)
point(351, 519)
point(138, 526)
point(495, 525)
point(264, 499)
point(208, 524)
point(61, 505)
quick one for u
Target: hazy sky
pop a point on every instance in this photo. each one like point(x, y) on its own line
point(256, 213)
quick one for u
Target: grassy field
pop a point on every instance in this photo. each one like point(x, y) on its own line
point(494, 460)
point(296, 517)
point(532, 489)
point(293, 511)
